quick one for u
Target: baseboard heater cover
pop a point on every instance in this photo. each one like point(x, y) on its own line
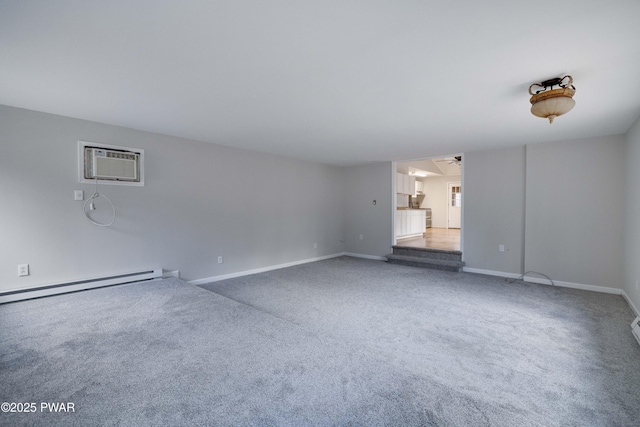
point(80, 285)
point(635, 328)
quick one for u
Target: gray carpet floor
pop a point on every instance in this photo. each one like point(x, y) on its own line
point(339, 342)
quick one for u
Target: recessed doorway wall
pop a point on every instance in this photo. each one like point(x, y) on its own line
point(436, 179)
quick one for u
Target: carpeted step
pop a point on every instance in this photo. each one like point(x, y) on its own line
point(427, 253)
point(424, 262)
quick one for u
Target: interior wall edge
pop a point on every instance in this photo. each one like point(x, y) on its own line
point(211, 279)
point(635, 309)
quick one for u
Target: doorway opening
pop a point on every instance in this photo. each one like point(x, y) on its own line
point(436, 196)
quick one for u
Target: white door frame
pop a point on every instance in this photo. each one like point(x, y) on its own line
point(394, 167)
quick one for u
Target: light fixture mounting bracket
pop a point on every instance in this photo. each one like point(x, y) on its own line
point(561, 82)
point(551, 82)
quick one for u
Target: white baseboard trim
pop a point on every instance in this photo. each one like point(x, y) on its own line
point(633, 307)
point(261, 270)
point(544, 281)
point(490, 272)
point(355, 255)
point(409, 236)
point(279, 266)
point(592, 288)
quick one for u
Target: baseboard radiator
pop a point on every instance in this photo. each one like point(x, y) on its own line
point(80, 285)
point(635, 328)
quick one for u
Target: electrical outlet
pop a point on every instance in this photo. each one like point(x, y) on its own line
point(219, 260)
point(361, 237)
point(78, 195)
point(501, 248)
point(23, 270)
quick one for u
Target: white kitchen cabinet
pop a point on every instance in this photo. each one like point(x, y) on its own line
point(410, 222)
point(401, 182)
point(423, 222)
point(419, 187)
point(398, 225)
point(411, 185)
point(417, 222)
point(404, 223)
point(405, 184)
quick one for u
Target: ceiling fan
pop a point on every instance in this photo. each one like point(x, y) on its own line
point(455, 160)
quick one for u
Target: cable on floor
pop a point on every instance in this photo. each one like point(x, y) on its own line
point(527, 272)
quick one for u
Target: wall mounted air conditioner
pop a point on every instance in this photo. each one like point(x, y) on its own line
point(110, 164)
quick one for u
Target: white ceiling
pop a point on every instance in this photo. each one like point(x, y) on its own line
point(339, 82)
point(445, 166)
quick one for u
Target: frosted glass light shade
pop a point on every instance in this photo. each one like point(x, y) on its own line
point(553, 103)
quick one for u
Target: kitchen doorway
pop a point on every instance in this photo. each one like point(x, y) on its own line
point(438, 191)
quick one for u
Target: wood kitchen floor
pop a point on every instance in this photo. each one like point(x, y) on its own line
point(447, 239)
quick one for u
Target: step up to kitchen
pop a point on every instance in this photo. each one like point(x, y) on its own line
point(426, 258)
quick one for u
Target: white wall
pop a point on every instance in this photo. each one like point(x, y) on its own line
point(575, 210)
point(557, 207)
point(363, 185)
point(436, 197)
point(200, 201)
point(493, 204)
point(632, 216)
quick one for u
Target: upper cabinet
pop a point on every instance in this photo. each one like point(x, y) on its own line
point(419, 187)
point(400, 183)
point(405, 184)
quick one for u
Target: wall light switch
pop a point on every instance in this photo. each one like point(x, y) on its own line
point(501, 248)
point(219, 260)
point(23, 270)
point(78, 195)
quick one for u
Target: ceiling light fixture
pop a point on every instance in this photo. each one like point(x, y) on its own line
point(550, 103)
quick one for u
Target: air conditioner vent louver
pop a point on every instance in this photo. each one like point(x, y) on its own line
point(111, 164)
point(119, 155)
